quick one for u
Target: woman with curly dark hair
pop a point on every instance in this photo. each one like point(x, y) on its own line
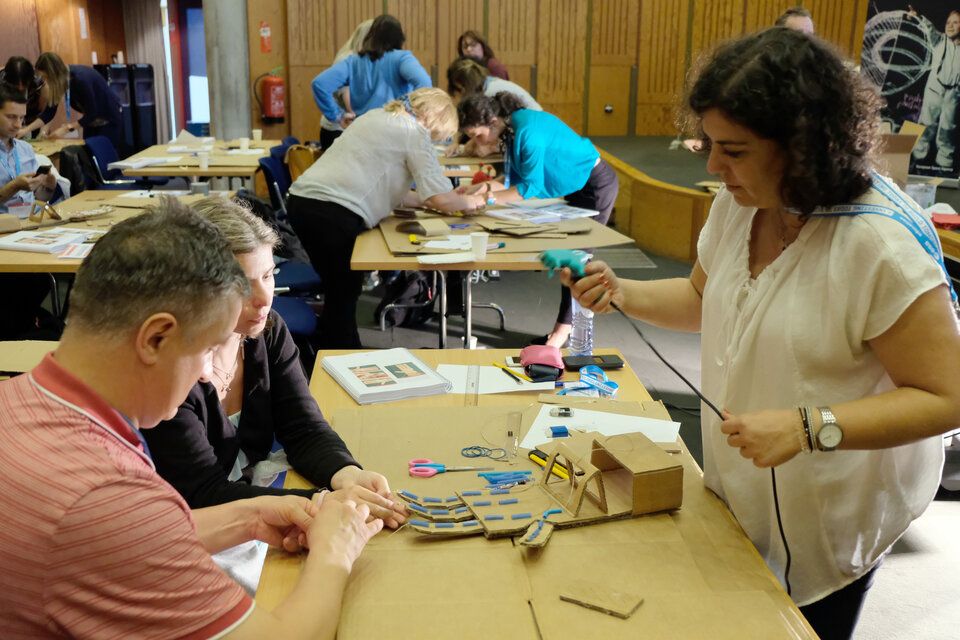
point(543, 158)
point(829, 336)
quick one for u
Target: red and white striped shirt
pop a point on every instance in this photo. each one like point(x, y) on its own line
point(93, 543)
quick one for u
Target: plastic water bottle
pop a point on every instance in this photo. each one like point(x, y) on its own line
point(581, 336)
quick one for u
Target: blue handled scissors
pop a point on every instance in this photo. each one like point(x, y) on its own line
point(424, 468)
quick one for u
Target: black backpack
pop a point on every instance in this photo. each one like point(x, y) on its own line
point(410, 288)
point(290, 246)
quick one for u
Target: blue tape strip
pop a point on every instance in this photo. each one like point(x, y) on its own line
point(416, 507)
point(481, 503)
point(452, 499)
point(472, 493)
point(520, 516)
point(493, 517)
point(499, 492)
point(420, 523)
point(460, 510)
point(426, 499)
point(439, 512)
point(407, 494)
point(444, 525)
point(470, 523)
point(509, 501)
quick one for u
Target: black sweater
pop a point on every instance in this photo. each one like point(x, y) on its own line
point(196, 450)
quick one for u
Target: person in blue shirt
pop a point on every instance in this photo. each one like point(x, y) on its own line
point(18, 163)
point(86, 91)
point(380, 72)
point(543, 158)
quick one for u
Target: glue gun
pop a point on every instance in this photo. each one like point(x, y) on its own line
point(559, 258)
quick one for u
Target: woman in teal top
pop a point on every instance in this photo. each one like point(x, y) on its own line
point(543, 158)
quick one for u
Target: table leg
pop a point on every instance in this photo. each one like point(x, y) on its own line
point(442, 292)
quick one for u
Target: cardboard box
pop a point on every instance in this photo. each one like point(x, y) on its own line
point(894, 158)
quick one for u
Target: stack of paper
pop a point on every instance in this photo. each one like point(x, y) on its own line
point(541, 215)
point(46, 241)
point(385, 375)
point(139, 163)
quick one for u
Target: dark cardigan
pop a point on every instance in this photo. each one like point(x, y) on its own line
point(196, 450)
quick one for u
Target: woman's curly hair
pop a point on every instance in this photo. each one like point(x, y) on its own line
point(795, 90)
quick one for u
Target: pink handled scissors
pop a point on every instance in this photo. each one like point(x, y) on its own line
point(424, 468)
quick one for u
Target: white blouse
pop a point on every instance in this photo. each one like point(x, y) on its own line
point(373, 165)
point(797, 335)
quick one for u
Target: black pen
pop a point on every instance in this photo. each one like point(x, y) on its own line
point(507, 371)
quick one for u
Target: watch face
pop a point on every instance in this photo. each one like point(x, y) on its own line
point(830, 436)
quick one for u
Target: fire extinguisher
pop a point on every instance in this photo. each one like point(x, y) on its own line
point(270, 96)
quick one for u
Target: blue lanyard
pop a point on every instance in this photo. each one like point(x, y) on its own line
point(16, 161)
point(68, 103)
point(506, 166)
point(921, 228)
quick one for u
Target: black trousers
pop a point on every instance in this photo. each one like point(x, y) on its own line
point(328, 232)
point(834, 617)
point(598, 194)
point(327, 136)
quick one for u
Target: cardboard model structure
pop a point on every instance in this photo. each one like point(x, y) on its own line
point(618, 477)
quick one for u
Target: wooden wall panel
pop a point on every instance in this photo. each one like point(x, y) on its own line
point(310, 38)
point(350, 13)
point(512, 35)
point(59, 26)
point(661, 66)
point(304, 114)
point(614, 36)
point(840, 23)
point(106, 29)
point(609, 85)
point(713, 22)
point(18, 30)
point(561, 59)
point(761, 14)
point(275, 14)
point(453, 18)
point(419, 20)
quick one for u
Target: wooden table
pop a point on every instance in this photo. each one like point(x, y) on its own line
point(950, 241)
point(698, 574)
point(221, 164)
point(371, 253)
point(453, 167)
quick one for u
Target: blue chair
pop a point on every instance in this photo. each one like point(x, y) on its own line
point(297, 278)
point(289, 141)
point(301, 321)
point(102, 153)
point(277, 183)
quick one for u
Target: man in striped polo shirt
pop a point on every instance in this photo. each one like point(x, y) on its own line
point(94, 543)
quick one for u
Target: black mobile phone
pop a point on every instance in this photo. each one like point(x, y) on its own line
point(572, 363)
point(45, 169)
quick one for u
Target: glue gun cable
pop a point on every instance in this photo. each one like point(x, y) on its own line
point(664, 360)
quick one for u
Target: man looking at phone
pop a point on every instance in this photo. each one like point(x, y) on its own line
point(22, 177)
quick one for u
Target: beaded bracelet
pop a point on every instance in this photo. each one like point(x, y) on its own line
point(807, 428)
point(804, 447)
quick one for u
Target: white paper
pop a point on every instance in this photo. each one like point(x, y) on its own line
point(447, 258)
point(453, 243)
point(536, 203)
point(184, 148)
point(609, 424)
point(491, 380)
point(78, 251)
point(139, 163)
point(248, 152)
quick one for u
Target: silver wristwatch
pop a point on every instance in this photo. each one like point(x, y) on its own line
point(830, 435)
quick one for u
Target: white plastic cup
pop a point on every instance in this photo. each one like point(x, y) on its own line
point(478, 243)
point(244, 144)
point(202, 188)
point(204, 160)
point(257, 135)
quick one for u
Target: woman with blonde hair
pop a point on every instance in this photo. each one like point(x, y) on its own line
point(84, 90)
point(212, 449)
point(357, 183)
point(330, 131)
